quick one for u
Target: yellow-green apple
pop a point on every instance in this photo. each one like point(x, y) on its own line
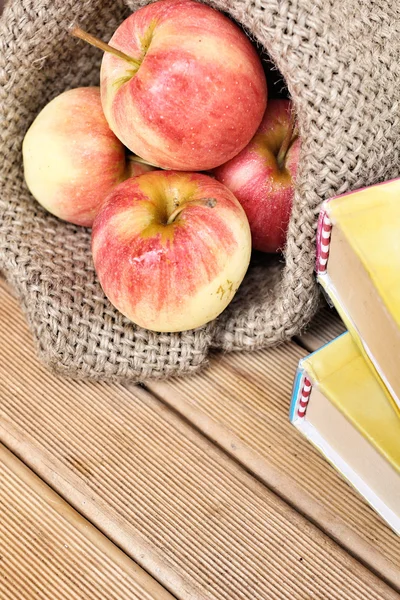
point(170, 249)
point(72, 159)
point(262, 176)
point(187, 90)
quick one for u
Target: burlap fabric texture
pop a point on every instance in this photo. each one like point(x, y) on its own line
point(341, 62)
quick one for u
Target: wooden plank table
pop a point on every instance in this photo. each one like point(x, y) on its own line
point(200, 487)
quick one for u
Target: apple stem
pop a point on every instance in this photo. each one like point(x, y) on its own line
point(94, 41)
point(287, 140)
point(209, 202)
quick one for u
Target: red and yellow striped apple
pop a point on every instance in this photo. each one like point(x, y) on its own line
point(72, 159)
point(262, 176)
point(190, 92)
point(170, 249)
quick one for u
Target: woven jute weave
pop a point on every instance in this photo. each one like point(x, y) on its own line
point(341, 63)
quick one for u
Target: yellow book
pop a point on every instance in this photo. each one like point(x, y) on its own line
point(358, 265)
point(342, 409)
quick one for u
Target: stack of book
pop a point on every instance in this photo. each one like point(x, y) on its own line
point(346, 397)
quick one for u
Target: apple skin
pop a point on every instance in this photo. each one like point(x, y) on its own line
point(177, 276)
point(200, 91)
point(264, 190)
point(71, 157)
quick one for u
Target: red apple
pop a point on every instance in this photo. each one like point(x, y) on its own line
point(262, 177)
point(170, 249)
point(191, 91)
point(72, 159)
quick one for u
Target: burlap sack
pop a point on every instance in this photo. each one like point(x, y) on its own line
point(341, 62)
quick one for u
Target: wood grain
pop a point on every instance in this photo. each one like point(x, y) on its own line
point(241, 402)
point(187, 513)
point(49, 551)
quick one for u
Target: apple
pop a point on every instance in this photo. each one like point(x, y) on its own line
point(72, 159)
point(170, 249)
point(262, 176)
point(184, 89)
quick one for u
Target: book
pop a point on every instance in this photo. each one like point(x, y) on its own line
point(358, 266)
point(341, 408)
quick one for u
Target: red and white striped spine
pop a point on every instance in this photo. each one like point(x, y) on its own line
point(304, 398)
point(324, 242)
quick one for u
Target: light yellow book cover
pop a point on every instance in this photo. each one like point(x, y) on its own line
point(358, 265)
point(342, 409)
